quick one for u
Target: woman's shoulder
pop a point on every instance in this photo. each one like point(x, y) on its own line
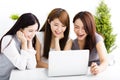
point(7, 38)
point(69, 40)
point(41, 32)
point(98, 37)
point(40, 36)
point(68, 44)
point(75, 40)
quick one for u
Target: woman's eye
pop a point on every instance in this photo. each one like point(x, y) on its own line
point(63, 26)
point(76, 27)
point(55, 24)
point(30, 31)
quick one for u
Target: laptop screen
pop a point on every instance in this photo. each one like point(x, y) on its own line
point(66, 63)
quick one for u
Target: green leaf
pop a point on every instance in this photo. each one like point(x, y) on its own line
point(14, 16)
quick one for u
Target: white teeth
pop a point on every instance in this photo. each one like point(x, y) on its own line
point(58, 32)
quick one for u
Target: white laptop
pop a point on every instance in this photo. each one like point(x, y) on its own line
point(68, 63)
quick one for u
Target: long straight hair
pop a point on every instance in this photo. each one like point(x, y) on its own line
point(23, 21)
point(90, 28)
point(63, 16)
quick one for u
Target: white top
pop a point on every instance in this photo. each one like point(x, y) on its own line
point(40, 36)
point(20, 58)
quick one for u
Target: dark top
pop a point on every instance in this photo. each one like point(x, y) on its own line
point(93, 57)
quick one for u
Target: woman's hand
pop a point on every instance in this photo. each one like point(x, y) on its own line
point(94, 68)
point(57, 39)
point(61, 36)
point(23, 40)
point(21, 36)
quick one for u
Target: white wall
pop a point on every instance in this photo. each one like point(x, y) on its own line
point(41, 8)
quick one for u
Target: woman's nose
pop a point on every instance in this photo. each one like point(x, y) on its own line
point(59, 28)
point(80, 30)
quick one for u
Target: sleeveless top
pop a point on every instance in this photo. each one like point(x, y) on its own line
point(40, 36)
point(93, 57)
point(6, 67)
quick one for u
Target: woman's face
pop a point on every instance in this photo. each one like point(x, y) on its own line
point(30, 31)
point(57, 28)
point(79, 29)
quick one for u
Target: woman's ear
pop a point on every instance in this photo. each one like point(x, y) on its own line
point(48, 21)
point(21, 29)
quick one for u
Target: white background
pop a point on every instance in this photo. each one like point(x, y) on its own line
point(41, 9)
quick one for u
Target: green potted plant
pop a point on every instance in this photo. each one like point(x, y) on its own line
point(104, 27)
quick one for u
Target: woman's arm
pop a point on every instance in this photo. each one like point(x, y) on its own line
point(38, 56)
point(12, 53)
point(95, 69)
point(57, 45)
point(31, 61)
point(27, 46)
point(68, 45)
point(56, 41)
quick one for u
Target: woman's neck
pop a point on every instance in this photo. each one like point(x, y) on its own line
point(81, 44)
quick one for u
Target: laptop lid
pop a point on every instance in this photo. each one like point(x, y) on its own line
point(67, 63)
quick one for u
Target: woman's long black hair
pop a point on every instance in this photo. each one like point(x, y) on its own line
point(23, 21)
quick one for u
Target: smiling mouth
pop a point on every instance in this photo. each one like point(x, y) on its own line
point(81, 35)
point(58, 33)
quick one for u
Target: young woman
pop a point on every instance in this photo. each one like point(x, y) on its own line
point(17, 46)
point(55, 33)
point(88, 38)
